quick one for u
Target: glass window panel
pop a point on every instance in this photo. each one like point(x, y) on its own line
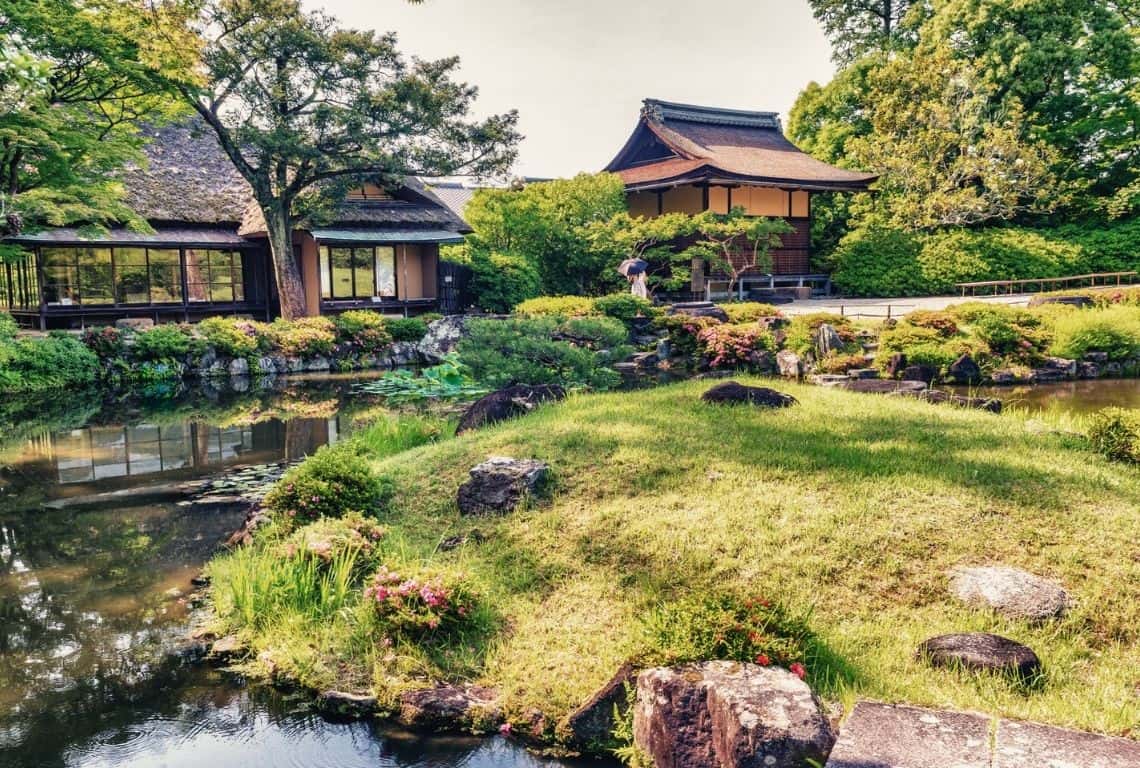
point(165, 282)
point(57, 256)
point(131, 283)
point(326, 283)
point(136, 256)
point(95, 276)
point(163, 256)
point(385, 271)
point(220, 259)
point(198, 275)
point(341, 262)
point(220, 292)
point(365, 272)
point(61, 285)
point(239, 290)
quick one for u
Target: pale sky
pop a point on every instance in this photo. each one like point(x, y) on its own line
point(577, 71)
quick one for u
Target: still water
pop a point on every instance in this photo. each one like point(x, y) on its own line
point(92, 594)
point(1075, 397)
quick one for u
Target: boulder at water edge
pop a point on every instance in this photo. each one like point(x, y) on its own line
point(500, 484)
point(731, 392)
point(724, 714)
point(450, 708)
point(507, 403)
point(1011, 592)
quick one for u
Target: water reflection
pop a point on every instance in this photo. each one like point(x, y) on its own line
point(1075, 397)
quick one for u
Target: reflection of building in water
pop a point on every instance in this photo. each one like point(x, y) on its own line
point(103, 452)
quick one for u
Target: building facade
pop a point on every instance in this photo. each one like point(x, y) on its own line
point(207, 253)
point(689, 159)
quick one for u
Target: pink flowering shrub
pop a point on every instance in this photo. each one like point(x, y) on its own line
point(734, 346)
point(328, 539)
point(683, 331)
point(235, 337)
point(304, 337)
point(332, 482)
point(418, 605)
point(753, 629)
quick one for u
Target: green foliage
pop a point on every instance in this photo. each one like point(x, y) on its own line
point(364, 328)
point(163, 342)
point(548, 225)
point(332, 482)
point(235, 337)
point(575, 352)
point(303, 336)
point(1114, 330)
point(8, 327)
point(857, 29)
point(735, 243)
point(450, 380)
point(748, 311)
point(942, 322)
point(653, 239)
point(800, 333)
point(406, 328)
point(732, 346)
point(499, 281)
point(879, 261)
point(1115, 434)
point(625, 307)
point(392, 434)
point(556, 306)
point(421, 606)
point(726, 626)
point(683, 331)
point(840, 363)
point(58, 361)
point(106, 342)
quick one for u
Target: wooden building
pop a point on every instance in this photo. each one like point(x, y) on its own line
point(689, 159)
point(208, 254)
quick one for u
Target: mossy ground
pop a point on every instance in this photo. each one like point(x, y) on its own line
point(853, 507)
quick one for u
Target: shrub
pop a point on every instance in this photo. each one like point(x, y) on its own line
point(364, 328)
point(332, 482)
point(942, 322)
point(877, 261)
point(330, 538)
point(556, 306)
point(959, 256)
point(748, 311)
point(625, 307)
point(840, 363)
point(575, 352)
point(57, 361)
point(1115, 331)
point(8, 327)
point(683, 330)
point(800, 334)
point(754, 630)
point(500, 281)
point(1004, 337)
point(406, 328)
point(973, 311)
point(1115, 434)
point(731, 346)
point(303, 337)
point(421, 604)
point(164, 342)
point(430, 317)
point(235, 337)
point(105, 342)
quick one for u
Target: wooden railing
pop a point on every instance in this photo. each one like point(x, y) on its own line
point(1054, 283)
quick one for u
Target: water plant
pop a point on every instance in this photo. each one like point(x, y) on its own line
point(449, 380)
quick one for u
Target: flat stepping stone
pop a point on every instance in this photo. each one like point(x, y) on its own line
point(895, 736)
point(1020, 745)
point(982, 652)
point(1011, 592)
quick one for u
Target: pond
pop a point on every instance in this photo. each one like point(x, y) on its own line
point(1075, 397)
point(93, 594)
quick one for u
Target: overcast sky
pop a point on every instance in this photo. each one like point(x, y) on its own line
point(577, 71)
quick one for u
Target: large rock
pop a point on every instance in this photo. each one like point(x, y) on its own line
point(590, 727)
point(239, 366)
point(731, 393)
point(134, 323)
point(403, 353)
point(896, 364)
point(965, 370)
point(1025, 745)
point(699, 309)
point(500, 484)
point(723, 714)
point(981, 651)
point(924, 373)
point(450, 708)
point(789, 364)
point(442, 337)
point(938, 396)
point(1011, 592)
point(1075, 301)
point(507, 403)
point(827, 341)
point(893, 736)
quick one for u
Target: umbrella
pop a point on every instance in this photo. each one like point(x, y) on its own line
point(631, 267)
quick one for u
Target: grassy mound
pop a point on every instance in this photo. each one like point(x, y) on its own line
point(848, 510)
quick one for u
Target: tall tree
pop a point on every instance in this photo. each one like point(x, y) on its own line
point(858, 27)
point(306, 108)
point(77, 77)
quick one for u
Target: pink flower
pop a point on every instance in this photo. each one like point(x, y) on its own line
point(798, 670)
point(505, 729)
point(763, 660)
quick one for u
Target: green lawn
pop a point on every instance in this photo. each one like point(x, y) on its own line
point(851, 506)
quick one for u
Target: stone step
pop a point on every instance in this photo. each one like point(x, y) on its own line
point(898, 736)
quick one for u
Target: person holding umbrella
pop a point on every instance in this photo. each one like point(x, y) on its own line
point(634, 270)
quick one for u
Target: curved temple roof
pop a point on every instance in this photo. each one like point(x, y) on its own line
point(682, 143)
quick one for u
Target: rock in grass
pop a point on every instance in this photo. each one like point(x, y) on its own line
point(724, 714)
point(590, 727)
point(880, 386)
point(789, 364)
point(732, 392)
point(1011, 592)
point(982, 652)
point(938, 396)
point(507, 403)
point(346, 704)
point(897, 736)
point(450, 708)
point(500, 484)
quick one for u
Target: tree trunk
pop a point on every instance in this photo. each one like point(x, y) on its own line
point(290, 289)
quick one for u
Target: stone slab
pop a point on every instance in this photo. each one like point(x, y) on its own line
point(896, 736)
point(1031, 745)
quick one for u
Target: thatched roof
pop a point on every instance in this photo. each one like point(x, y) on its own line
point(682, 144)
point(188, 179)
